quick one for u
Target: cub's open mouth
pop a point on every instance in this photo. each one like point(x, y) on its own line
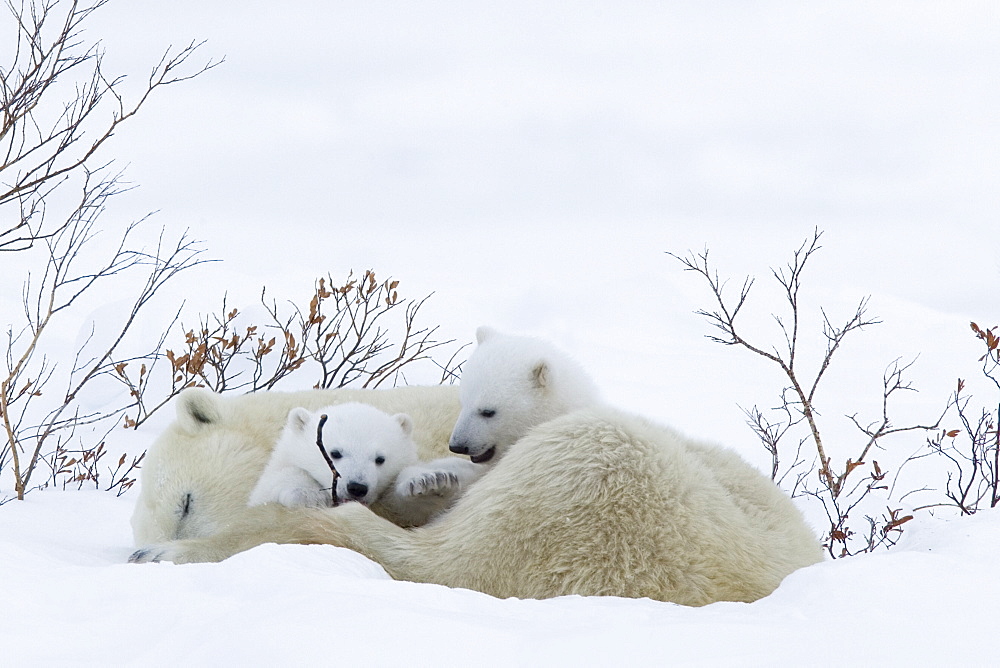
point(484, 457)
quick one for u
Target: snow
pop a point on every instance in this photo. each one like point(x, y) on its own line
point(71, 599)
point(531, 168)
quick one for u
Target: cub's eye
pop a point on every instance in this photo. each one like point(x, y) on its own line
point(335, 454)
point(380, 460)
point(487, 413)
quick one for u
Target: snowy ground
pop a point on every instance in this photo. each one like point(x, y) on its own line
point(70, 600)
point(531, 167)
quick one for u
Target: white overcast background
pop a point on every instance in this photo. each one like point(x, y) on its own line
point(531, 163)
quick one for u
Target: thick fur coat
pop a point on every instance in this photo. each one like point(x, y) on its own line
point(198, 475)
point(596, 502)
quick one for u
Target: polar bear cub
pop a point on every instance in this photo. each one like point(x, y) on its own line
point(511, 384)
point(374, 455)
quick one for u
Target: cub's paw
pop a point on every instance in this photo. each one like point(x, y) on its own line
point(422, 483)
point(302, 497)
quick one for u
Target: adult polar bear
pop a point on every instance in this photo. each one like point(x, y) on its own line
point(594, 502)
point(198, 475)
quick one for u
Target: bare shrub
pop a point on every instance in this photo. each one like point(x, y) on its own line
point(844, 489)
point(58, 109)
point(357, 332)
point(972, 452)
point(76, 468)
point(46, 140)
point(346, 333)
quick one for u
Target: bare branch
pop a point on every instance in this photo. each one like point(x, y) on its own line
point(842, 491)
point(43, 143)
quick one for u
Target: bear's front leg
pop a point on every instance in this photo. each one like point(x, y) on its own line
point(304, 497)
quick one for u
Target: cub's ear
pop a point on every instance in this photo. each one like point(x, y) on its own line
point(485, 333)
point(197, 407)
point(298, 419)
point(405, 421)
point(540, 375)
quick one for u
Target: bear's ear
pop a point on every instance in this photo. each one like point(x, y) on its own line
point(197, 407)
point(405, 421)
point(298, 419)
point(540, 375)
point(485, 333)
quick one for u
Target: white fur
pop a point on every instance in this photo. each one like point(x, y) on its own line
point(578, 499)
point(367, 446)
point(511, 384)
point(597, 502)
point(374, 456)
point(197, 476)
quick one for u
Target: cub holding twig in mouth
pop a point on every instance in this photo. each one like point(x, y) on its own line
point(355, 452)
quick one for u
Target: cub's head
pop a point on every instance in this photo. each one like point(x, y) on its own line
point(367, 447)
point(509, 385)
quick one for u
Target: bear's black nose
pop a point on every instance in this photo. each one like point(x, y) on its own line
point(357, 489)
point(459, 448)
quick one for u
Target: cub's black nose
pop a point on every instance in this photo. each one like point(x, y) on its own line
point(459, 448)
point(357, 489)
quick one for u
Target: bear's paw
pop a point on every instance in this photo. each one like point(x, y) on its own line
point(303, 497)
point(423, 483)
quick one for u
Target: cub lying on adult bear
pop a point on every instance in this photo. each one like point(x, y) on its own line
point(376, 462)
point(198, 475)
point(596, 501)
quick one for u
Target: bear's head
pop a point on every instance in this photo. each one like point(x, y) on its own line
point(509, 385)
point(367, 447)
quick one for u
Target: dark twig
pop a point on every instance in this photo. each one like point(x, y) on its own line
point(326, 456)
